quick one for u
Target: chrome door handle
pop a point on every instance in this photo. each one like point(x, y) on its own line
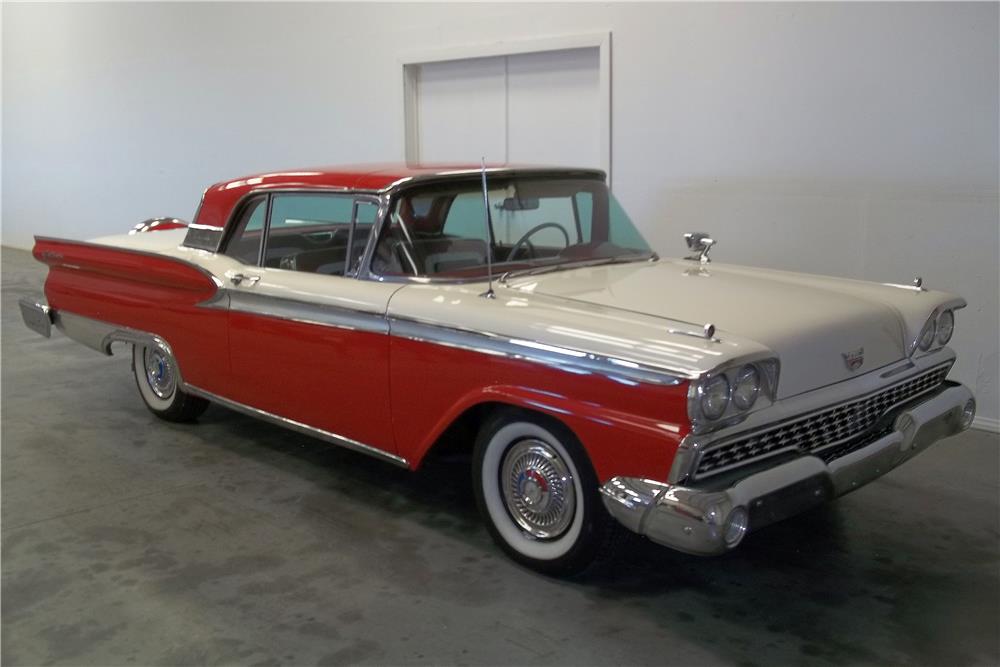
point(239, 278)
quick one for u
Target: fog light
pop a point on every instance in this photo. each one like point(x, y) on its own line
point(968, 414)
point(736, 526)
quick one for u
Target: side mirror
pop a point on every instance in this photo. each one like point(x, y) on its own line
point(701, 243)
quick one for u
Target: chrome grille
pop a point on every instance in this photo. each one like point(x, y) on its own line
point(829, 433)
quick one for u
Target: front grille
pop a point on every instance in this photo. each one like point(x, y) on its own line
point(828, 434)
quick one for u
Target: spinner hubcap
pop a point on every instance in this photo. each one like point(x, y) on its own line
point(538, 489)
point(159, 372)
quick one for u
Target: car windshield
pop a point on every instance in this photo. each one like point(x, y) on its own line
point(440, 230)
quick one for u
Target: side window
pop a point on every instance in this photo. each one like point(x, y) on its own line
point(244, 244)
point(256, 221)
point(318, 233)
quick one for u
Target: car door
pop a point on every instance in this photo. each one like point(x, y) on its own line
point(309, 341)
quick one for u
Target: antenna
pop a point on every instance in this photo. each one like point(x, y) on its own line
point(489, 293)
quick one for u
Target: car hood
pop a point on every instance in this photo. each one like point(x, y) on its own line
point(811, 323)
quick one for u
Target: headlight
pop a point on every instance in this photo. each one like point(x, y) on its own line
point(747, 387)
point(927, 335)
point(731, 393)
point(715, 397)
point(945, 326)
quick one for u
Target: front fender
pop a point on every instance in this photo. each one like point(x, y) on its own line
point(614, 439)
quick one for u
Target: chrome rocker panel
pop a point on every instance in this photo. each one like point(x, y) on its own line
point(696, 521)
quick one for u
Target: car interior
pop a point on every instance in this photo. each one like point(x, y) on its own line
point(430, 232)
point(310, 233)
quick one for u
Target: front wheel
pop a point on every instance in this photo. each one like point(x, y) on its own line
point(538, 493)
point(157, 377)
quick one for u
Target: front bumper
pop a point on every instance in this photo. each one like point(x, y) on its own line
point(706, 523)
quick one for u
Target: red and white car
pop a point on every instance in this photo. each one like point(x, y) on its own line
point(595, 383)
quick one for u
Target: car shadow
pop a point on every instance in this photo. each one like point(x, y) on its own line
point(810, 583)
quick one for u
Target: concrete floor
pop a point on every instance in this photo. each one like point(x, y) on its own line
point(127, 540)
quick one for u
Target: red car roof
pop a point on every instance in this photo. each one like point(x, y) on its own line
point(221, 197)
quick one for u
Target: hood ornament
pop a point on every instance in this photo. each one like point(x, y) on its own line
point(854, 359)
point(701, 243)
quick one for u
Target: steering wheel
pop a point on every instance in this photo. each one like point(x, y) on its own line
point(523, 241)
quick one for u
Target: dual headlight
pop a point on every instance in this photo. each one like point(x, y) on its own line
point(937, 330)
point(732, 392)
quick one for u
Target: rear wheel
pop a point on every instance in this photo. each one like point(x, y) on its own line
point(157, 377)
point(538, 493)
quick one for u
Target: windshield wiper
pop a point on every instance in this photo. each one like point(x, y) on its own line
point(579, 264)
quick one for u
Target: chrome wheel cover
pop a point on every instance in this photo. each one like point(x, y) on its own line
point(537, 489)
point(159, 372)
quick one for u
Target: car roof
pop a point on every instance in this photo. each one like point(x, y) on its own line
point(220, 198)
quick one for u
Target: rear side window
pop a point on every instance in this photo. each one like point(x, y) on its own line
point(322, 233)
point(244, 244)
point(297, 211)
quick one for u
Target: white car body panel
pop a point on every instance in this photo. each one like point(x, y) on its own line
point(808, 321)
point(647, 313)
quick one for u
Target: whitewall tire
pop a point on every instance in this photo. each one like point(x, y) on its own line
point(158, 378)
point(538, 493)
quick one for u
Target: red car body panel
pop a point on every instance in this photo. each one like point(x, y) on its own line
point(391, 393)
point(395, 394)
point(329, 378)
point(142, 291)
point(634, 432)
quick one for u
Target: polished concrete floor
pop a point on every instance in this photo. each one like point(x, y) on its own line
point(127, 540)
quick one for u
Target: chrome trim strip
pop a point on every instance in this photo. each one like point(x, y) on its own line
point(320, 314)
point(566, 359)
point(293, 425)
point(152, 224)
point(364, 268)
point(99, 336)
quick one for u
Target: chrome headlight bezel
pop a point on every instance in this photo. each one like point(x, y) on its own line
point(767, 370)
point(930, 338)
point(928, 334)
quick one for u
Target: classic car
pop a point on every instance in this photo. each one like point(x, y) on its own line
point(518, 311)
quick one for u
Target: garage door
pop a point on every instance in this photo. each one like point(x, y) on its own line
point(543, 107)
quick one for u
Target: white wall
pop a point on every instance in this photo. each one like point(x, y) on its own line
point(850, 139)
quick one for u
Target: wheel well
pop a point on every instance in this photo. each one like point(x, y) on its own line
point(460, 436)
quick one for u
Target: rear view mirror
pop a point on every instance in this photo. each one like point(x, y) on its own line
point(518, 204)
